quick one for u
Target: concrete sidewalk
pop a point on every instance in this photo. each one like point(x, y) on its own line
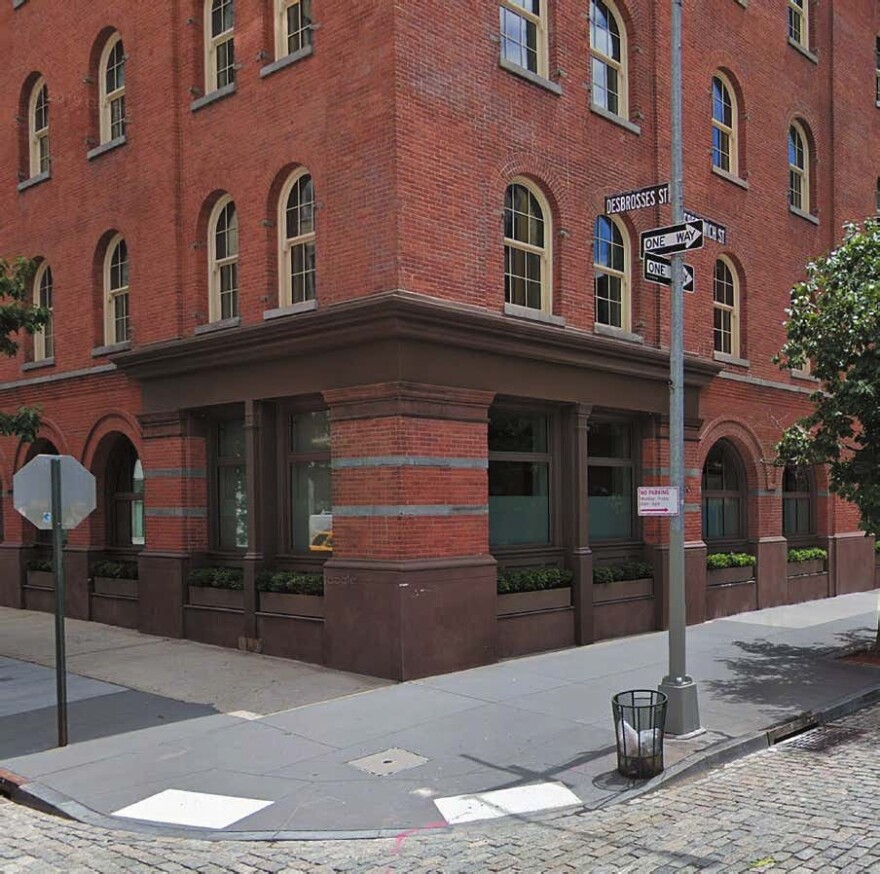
point(149, 747)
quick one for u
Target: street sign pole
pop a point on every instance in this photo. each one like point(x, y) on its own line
point(683, 713)
point(58, 565)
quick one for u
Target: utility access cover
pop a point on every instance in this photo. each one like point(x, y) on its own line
point(390, 762)
point(32, 492)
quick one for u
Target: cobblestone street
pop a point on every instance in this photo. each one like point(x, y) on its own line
point(811, 804)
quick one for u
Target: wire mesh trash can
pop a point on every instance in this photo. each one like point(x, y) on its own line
point(639, 723)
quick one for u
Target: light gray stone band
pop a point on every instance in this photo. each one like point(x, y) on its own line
point(177, 512)
point(176, 473)
point(409, 461)
point(58, 377)
point(372, 510)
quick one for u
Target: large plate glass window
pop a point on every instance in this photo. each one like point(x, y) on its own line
point(797, 501)
point(311, 499)
point(610, 481)
point(722, 494)
point(232, 506)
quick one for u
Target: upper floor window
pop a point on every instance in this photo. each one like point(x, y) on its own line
point(725, 293)
point(611, 264)
point(724, 127)
point(799, 22)
point(220, 44)
point(297, 240)
point(38, 124)
point(223, 261)
point(877, 70)
point(44, 339)
point(293, 28)
point(526, 248)
point(609, 60)
point(524, 34)
point(117, 325)
point(798, 169)
point(877, 197)
point(112, 88)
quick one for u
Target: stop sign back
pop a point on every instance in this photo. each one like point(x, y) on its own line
point(32, 492)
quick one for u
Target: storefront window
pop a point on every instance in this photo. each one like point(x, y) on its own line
point(519, 479)
point(610, 483)
point(797, 502)
point(311, 501)
point(722, 494)
point(232, 529)
point(126, 499)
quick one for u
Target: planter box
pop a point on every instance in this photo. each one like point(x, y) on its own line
point(623, 590)
point(530, 602)
point(225, 599)
point(728, 575)
point(800, 568)
point(41, 579)
point(115, 587)
point(289, 604)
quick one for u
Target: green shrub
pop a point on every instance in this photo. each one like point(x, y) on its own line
point(291, 582)
point(629, 570)
point(877, 546)
point(719, 560)
point(533, 580)
point(217, 578)
point(115, 570)
point(813, 553)
point(41, 564)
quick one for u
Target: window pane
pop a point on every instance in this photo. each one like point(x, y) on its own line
point(519, 502)
point(610, 494)
point(137, 523)
point(310, 432)
point(121, 331)
point(298, 21)
point(609, 440)
point(230, 439)
point(232, 492)
point(517, 432)
point(311, 507)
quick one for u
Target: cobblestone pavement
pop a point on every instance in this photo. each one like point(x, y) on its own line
point(811, 804)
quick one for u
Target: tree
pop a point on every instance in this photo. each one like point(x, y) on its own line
point(17, 314)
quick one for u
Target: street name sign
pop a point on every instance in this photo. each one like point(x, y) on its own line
point(715, 232)
point(658, 269)
point(672, 239)
point(32, 492)
point(658, 501)
point(639, 198)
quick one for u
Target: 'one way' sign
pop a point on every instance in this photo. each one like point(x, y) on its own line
point(672, 239)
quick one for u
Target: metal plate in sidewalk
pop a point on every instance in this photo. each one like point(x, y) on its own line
point(390, 762)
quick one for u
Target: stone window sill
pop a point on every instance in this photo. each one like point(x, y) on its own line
point(213, 97)
point(222, 325)
point(729, 177)
point(617, 333)
point(106, 147)
point(286, 61)
point(803, 375)
point(111, 348)
point(512, 309)
point(811, 56)
point(38, 365)
point(529, 76)
point(615, 119)
point(731, 359)
point(305, 306)
point(35, 180)
point(804, 215)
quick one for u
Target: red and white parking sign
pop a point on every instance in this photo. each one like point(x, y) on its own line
point(658, 501)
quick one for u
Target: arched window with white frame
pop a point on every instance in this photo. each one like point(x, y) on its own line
point(223, 261)
point(524, 34)
point(117, 320)
point(798, 169)
point(219, 44)
point(608, 47)
point(726, 308)
point(527, 248)
point(293, 26)
point(296, 240)
point(111, 83)
point(38, 128)
point(725, 126)
point(44, 339)
point(611, 265)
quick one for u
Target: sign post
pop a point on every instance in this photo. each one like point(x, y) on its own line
point(55, 492)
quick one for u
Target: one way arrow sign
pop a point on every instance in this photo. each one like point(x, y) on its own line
point(675, 238)
point(659, 269)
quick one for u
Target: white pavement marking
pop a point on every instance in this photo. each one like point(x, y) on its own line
point(505, 802)
point(178, 807)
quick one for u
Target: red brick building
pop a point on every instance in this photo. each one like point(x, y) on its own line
point(338, 293)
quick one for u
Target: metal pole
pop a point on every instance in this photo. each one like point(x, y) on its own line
point(58, 564)
point(683, 712)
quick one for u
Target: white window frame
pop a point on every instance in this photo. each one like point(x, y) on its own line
point(215, 264)
point(111, 294)
point(545, 253)
point(732, 132)
point(286, 244)
point(38, 138)
point(625, 276)
point(212, 44)
point(44, 339)
point(877, 70)
point(803, 173)
point(107, 99)
point(734, 309)
point(801, 9)
point(540, 22)
point(621, 66)
point(282, 37)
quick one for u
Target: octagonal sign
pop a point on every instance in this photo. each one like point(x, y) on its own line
point(32, 492)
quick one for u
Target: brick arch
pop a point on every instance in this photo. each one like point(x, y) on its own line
point(49, 430)
point(541, 173)
point(748, 447)
point(109, 426)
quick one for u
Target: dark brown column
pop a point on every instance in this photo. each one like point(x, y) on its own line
point(577, 527)
point(253, 558)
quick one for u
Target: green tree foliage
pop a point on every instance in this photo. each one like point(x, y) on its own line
point(17, 314)
point(834, 327)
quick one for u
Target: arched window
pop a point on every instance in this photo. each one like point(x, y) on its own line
point(38, 128)
point(797, 502)
point(725, 145)
point(296, 240)
point(125, 496)
point(117, 325)
point(877, 70)
point(609, 57)
point(798, 169)
point(723, 499)
point(293, 27)
point(219, 44)
point(526, 248)
point(223, 261)
point(111, 79)
point(524, 34)
point(725, 292)
point(799, 22)
point(44, 339)
point(611, 264)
